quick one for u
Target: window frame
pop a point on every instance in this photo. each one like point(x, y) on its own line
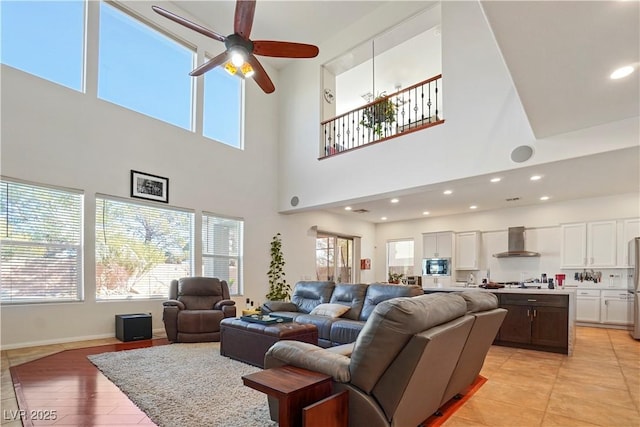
point(407, 269)
point(239, 258)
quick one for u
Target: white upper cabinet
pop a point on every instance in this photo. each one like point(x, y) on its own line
point(573, 246)
point(590, 244)
point(468, 250)
point(437, 245)
point(630, 230)
point(601, 244)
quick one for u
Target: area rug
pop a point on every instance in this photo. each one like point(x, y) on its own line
point(187, 385)
point(191, 385)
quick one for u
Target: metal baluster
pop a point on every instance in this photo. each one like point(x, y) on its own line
point(437, 100)
point(422, 101)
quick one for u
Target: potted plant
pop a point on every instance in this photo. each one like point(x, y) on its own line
point(395, 277)
point(376, 115)
point(279, 289)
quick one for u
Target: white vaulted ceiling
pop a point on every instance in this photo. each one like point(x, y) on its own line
point(559, 55)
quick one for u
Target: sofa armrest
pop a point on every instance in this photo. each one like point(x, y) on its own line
point(271, 306)
point(309, 356)
point(174, 303)
point(222, 303)
point(344, 349)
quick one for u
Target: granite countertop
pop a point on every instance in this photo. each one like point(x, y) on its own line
point(505, 290)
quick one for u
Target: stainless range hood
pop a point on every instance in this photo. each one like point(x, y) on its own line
point(516, 245)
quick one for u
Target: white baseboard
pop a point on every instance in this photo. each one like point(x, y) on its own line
point(65, 340)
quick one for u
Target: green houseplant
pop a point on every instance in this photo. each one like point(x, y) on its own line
point(279, 289)
point(395, 277)
point(376, 115)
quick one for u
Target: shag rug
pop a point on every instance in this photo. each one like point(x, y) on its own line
point(186, 385)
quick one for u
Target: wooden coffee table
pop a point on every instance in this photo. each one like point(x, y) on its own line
point(295, 388)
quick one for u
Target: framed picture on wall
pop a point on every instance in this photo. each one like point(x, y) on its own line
point(150, 187)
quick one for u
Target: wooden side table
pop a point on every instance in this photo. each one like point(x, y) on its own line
point(249, 312)
point(295, 388)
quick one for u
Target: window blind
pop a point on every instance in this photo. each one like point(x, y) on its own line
point(222, 250)
point(140, 249)
point(41, 243)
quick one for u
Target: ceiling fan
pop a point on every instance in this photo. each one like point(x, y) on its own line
point(241, 50)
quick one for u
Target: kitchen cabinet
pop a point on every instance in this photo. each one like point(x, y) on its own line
point(437, 245)
point(535, 321)
point(591, 244)
point(630, 230)
point(615, 307)
point(588, 305)
point(467, 251)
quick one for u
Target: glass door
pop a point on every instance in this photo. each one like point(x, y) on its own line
point(334, 258)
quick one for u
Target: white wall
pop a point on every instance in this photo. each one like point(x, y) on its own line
point(542, 223)
point(483, 114)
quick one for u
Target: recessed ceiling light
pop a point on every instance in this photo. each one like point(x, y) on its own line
point(347, 208)
point(473, 207)
point(394, 200)
point(535, 177)
point(384, 218)
point(425, 213)
point(544, 198)
point(447, 192)
point(621, 72)
point(496, 179)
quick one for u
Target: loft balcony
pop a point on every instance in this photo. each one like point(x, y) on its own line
point(389, 116)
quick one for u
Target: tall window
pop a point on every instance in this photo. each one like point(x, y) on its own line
point(400, 258)
point(334, 258)
point(222, 250)
point(41, 244)
point(223, 94)
point(140, 249)
point(45, 38)
point(143, 69)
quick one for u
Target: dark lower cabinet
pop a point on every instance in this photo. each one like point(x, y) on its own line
point(539, 322)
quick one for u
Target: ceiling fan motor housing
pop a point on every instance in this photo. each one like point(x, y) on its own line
point(235, 41)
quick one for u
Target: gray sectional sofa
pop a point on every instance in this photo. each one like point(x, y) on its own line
point(360, 299)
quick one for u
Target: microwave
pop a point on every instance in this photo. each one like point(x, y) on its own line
point(436, 267)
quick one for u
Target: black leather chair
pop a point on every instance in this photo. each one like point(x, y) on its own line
point(195, 308)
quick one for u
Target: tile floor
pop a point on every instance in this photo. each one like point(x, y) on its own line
point(598, 385)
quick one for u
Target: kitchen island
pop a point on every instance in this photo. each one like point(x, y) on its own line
point(537, 319)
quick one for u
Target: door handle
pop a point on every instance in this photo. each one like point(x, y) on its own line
point(535, 313)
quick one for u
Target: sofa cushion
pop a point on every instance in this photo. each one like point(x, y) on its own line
point(330, 310)
point(478, 301)
point(378, 292)
point(323, 323)
point(351, 295)
point(345, 331)
point(307, 295)
point(199, 321)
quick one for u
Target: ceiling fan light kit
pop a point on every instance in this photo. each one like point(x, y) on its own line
point(240, 49)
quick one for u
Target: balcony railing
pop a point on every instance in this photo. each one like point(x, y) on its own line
point(414, 108)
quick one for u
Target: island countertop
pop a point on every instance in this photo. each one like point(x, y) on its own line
point(504, 290)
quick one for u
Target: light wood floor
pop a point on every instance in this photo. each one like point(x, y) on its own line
point(598, 385)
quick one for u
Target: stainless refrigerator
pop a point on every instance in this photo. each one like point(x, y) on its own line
point(634, 288)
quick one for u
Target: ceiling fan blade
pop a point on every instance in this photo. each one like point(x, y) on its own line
point(243, 20)
point(210, 64)
point(261, 77)
point(284, 49)
point(195, 27)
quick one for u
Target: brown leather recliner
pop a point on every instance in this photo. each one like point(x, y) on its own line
point(195, 308)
